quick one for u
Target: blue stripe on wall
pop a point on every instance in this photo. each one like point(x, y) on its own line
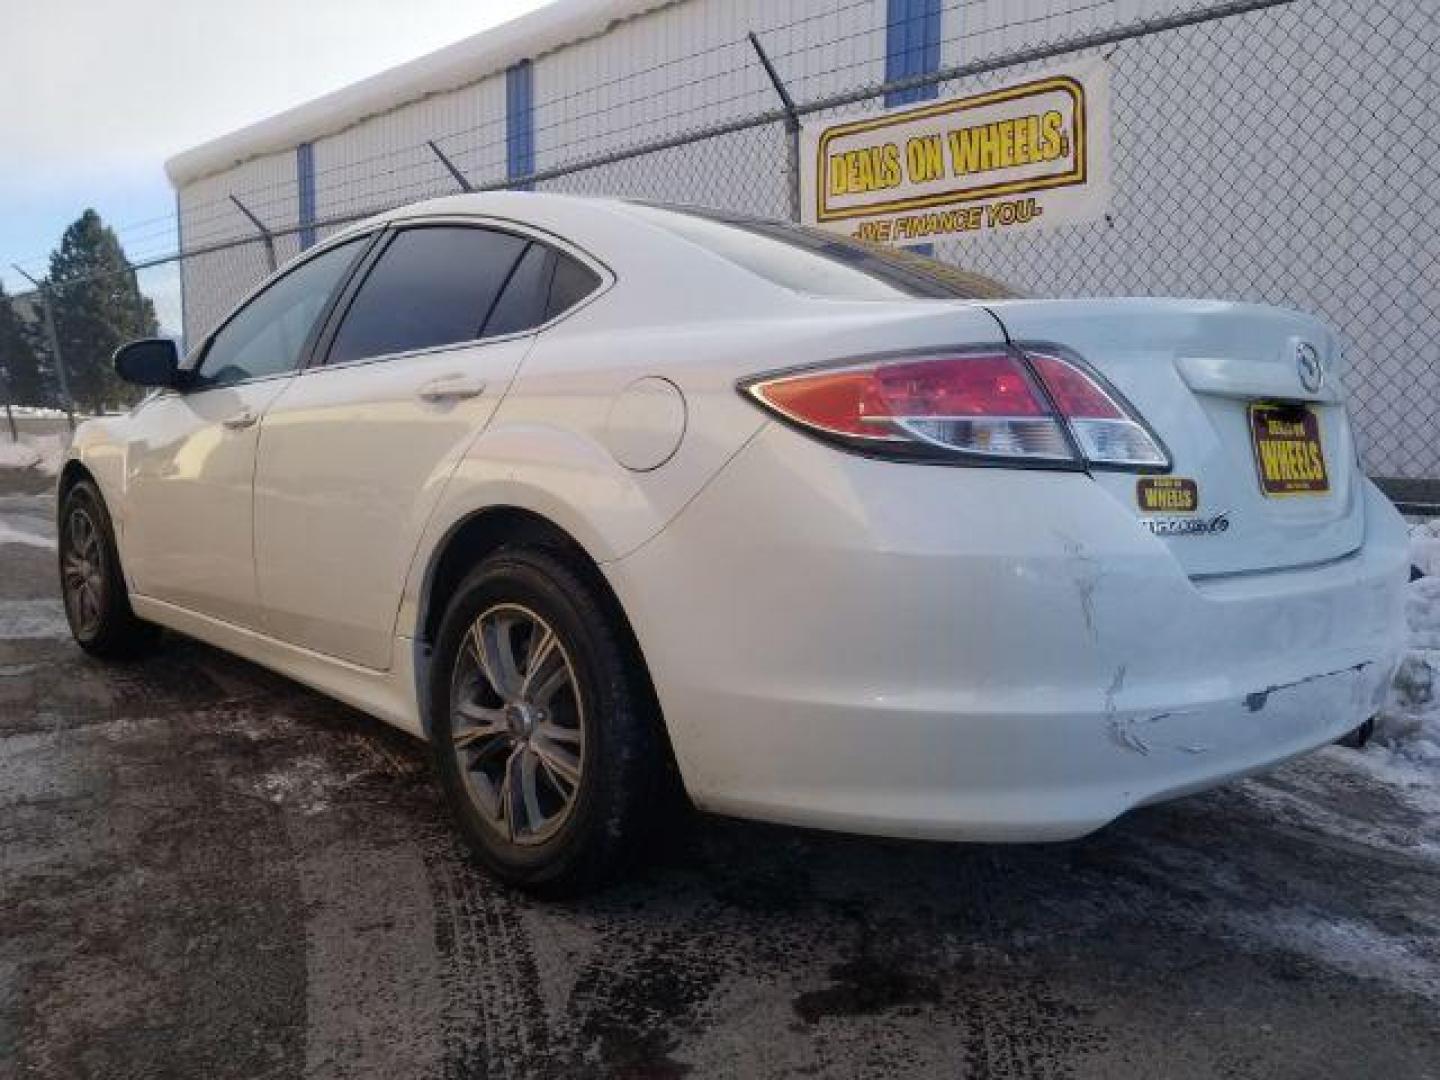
point(305, 180)
point(519, 122)
point(912, 47)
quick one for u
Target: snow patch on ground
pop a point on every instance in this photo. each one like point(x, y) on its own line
point(42, 452)
point(11, 535)
point(305, 784)
point(22, 620)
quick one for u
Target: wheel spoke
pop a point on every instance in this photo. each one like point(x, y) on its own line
point(512, 794)
point(559, 762)
point(558, 733)
point(480, 724)
point(555, 679)
point(82, 536)
point(543, 649)
point(89, 609)
point(466, 738)
point(496, 643)
point(528, 769)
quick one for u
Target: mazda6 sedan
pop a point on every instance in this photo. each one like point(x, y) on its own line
point(613, 502)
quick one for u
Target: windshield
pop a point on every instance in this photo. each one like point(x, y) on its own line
point(820, 263)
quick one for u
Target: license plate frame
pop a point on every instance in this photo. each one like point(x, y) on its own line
point(1289, 452)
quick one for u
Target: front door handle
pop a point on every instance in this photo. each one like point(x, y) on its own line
point(449, 388)
point(241, 420)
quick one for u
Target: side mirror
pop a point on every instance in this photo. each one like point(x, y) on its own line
point(150, 362)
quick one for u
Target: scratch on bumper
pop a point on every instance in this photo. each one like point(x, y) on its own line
point(1260, 698)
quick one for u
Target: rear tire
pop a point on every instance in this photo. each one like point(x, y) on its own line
point(97, 603)
point(546, 737)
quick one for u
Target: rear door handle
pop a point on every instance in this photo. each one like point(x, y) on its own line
point(450, 388)
point(241, 420)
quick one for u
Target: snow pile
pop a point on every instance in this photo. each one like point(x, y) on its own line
point(1425, 547)
point(43, 452)
point(1407, 731)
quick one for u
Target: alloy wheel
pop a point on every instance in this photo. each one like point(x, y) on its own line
point(517, 724)
point(83, 572)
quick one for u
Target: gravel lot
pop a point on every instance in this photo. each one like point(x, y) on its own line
point(208, 871)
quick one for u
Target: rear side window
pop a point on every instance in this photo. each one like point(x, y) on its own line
point(522, 305)
point(573, 282)
point(432, 286)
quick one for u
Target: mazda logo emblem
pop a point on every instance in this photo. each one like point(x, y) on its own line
point(1312, 371)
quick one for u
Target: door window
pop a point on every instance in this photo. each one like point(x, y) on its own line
point(433, 285)
point(573, 282)
point(522, 304)
point(267, 335)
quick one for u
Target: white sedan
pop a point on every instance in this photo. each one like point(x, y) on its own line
point(604, 498)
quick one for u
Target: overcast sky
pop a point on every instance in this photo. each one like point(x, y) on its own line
point(96, 94)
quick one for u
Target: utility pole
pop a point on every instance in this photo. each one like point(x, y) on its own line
point(46, 301)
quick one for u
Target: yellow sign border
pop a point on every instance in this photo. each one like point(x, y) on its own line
point(1063, 83)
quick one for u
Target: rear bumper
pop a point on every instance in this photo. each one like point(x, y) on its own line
point(983, 654)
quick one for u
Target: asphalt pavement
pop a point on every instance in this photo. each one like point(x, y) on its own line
point(209, 871)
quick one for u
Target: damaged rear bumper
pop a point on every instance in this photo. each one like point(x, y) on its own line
point(983, 654)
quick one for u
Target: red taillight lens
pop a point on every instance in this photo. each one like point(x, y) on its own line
point(989, 404)
point(984, 403)
point(1107, 432)
point(1075, 393)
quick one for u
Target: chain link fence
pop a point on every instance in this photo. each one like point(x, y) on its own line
point(1280, 151)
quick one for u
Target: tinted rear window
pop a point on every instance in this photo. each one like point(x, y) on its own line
point(432, 286)
point(820, 263)
point(522, 304)
point(573, 282)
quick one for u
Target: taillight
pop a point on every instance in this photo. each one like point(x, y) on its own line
point(991, 405)
point(1107, 430)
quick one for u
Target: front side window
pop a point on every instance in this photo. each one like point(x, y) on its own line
point(433, 285)
point(267, 335)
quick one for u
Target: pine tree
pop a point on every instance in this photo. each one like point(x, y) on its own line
point(98, 307)
point(20, 372)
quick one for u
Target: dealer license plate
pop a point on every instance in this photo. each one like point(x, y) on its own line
point(1288, 454)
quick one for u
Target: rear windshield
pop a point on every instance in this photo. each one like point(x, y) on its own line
point(822, 263)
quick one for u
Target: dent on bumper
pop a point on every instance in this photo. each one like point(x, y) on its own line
point(978, 654)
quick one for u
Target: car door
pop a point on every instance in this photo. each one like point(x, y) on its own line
point(354, 454)
point(190, 461)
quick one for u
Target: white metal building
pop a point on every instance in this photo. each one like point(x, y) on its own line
point(1280, 154)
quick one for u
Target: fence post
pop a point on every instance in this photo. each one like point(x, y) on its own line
point(46, 301)
point(792, 126)
point(266, 236)
point(450, 166)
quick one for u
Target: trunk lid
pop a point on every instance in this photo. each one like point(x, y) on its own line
point(1196, 370)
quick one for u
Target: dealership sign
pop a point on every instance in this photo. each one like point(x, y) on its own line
point(1029, 154)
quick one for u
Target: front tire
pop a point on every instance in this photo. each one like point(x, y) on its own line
point(544, 727)
point(97, 603)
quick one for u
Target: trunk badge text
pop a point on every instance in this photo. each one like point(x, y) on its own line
point(1212, 526)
